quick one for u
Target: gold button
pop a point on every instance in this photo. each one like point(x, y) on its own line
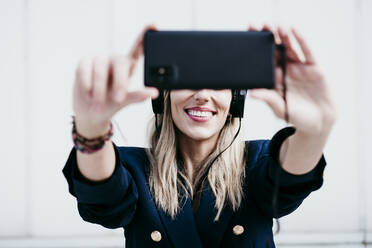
point(238, 229)
point(156, 236)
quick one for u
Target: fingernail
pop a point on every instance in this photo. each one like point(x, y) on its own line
point(154, 93)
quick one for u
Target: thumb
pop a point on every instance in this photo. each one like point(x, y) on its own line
point(140, 95)
point(271, 98)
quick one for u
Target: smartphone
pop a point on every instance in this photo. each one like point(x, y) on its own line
point(209, 59)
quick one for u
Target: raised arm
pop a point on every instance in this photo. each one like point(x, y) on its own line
point(101, 90)
point(311, 108)
point(105, 190)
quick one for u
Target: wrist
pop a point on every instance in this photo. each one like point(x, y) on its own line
point(91, 130)
point(86, 144)
point(320, 136)
point(321, 127)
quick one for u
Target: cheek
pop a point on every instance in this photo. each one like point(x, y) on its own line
point(178, 98)
point(225, 103)
point(225, 97)
point(176, 112)
point(177, 115)
point(174, 102)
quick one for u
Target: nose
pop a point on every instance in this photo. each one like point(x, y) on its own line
point(202, 96)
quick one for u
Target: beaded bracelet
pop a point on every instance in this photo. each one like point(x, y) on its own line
point(86, 145)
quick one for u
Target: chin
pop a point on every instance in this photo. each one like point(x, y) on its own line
point(199, 134)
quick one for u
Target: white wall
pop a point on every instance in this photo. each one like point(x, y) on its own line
point(41, 43)
point(13, 98)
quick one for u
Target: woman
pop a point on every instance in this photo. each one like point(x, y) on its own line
point(160, 195)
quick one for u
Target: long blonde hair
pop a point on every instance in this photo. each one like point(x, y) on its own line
point(168, 177)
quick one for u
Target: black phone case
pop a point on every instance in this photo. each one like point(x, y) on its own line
point(209, 59)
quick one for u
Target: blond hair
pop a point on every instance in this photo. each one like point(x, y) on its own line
point(168, 177)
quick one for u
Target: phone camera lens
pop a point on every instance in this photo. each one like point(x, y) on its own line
point(161, 74)
point(161, 71)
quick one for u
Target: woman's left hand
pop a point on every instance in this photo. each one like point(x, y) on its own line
point(311, 108)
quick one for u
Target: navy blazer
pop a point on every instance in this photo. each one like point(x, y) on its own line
point(124, 200)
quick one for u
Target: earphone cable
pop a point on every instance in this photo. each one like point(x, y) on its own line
point(199, 186)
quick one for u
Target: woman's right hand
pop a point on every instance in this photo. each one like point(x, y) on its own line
point(101, 89)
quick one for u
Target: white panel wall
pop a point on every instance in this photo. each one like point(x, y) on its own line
point(41, 43)
point(61, 32)
point(330, 32)
point(13, 97)
point(364, 110)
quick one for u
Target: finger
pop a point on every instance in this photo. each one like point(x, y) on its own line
point(140, 95)
point(309, 58)
point(252, 28)
point(83, 77)
point(137, 50)
point(271, 98)
point(279, 80)
point(154, 92)
point(120, 77)
point(267, 27)
point(290, 51)
point(100, 80)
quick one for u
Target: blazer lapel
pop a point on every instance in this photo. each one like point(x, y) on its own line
point(182, 230)
point(211, 232)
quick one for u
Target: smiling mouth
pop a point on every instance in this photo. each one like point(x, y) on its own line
point(199, 113)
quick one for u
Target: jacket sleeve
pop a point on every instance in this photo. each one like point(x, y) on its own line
point(110, 203)
point(267, 180)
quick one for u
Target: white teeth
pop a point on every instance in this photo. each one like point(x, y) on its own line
point(199, 113)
